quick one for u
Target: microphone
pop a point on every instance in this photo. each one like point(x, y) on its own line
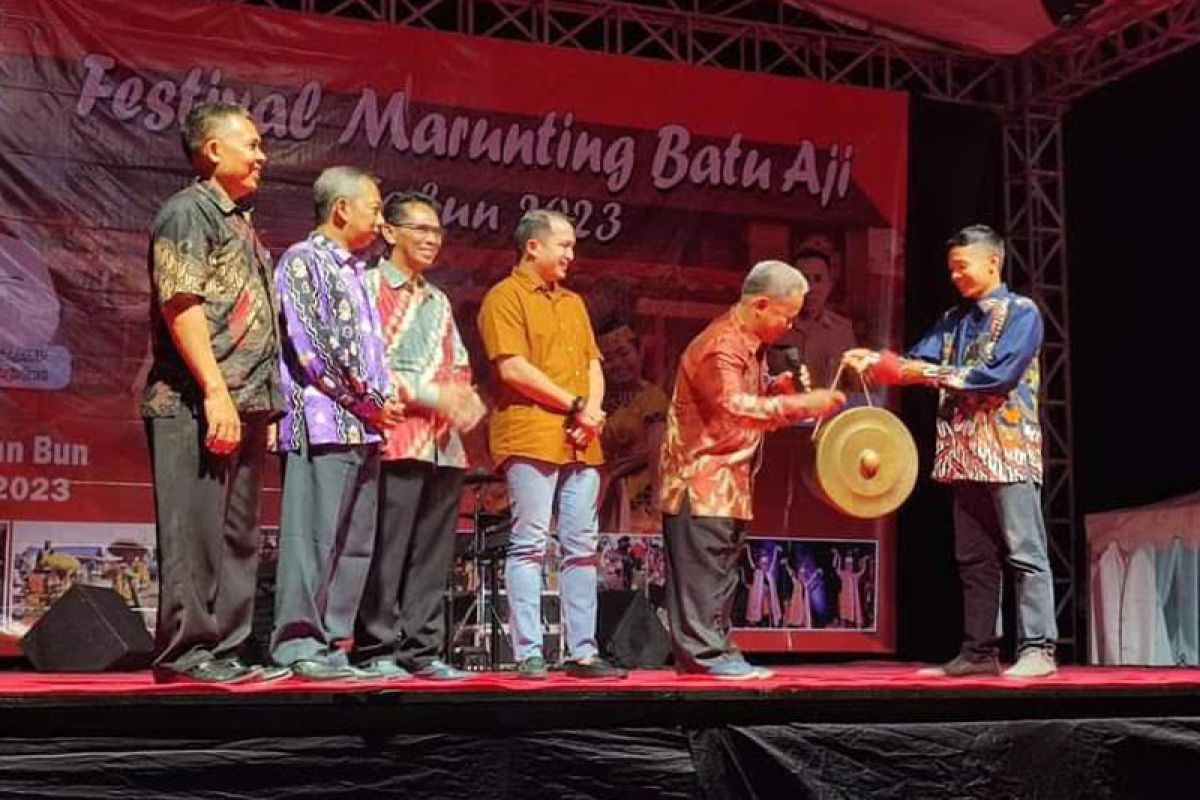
point(800, 380)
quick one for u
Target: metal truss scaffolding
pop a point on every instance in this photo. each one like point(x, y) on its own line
point(1030, 93)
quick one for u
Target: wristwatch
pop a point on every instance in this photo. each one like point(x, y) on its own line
point(576, 406)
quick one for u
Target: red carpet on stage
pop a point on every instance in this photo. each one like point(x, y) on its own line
point(850, 678)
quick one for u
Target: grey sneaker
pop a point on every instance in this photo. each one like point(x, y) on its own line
point(381, 669)
point(438, 670)
point(533, 669)
point(1033, 663)
point(737, 670)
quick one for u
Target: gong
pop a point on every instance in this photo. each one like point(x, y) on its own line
point(866, 462)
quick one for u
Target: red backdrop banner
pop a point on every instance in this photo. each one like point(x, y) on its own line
point(679, 177)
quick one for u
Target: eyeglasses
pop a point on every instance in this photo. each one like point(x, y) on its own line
point(422, 230)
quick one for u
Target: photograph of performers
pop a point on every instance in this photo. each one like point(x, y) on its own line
point(636, 412)
point(720, 411)
point(982, 357)
point(545, 437)
point(762, 606)
point(336, 384)
point(212, 391)
point(400, 625)
point(851, 573)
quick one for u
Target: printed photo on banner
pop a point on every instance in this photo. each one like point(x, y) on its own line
point(48, 558)
point(808, 584)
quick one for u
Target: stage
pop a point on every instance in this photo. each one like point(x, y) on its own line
point(856, 730)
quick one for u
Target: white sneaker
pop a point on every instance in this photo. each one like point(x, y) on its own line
point(1033, 663)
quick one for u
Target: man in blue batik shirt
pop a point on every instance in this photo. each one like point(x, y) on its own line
point(982, 356)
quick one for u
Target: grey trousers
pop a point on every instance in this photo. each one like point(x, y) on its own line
point(702, 577)
point(997, 524)
point(207, 511)
point(326, 537)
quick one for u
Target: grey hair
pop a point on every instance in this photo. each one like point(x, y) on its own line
point(202, 121)
point(335, 183)
point(535, 225)
point(774, 279)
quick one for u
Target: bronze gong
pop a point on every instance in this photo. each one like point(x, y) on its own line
point(866, 462)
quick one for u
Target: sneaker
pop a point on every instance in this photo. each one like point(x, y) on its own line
point(438, 670)
point(381, 669)
point(533, 669)
point(594, 667)
point(737, 671)
point(1033, 663)
point(962, 667)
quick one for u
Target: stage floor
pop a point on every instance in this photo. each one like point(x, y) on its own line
point(863, 692)
point(867, 729)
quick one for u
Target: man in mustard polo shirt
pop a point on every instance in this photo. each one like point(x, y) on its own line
point(544, 437)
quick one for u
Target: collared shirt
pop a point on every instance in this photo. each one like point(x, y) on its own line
point(203, 244)
point(333, 371)
point(423, 350)
point(718, 416)
point(987, 351)
point(821, 341)
point(549, 327)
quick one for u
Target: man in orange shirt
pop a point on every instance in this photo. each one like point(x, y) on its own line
point(544, 436)
point(722, 407)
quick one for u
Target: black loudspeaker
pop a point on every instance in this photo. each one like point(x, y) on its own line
point(629, 632)
point(1065, 13)
point(89, 629)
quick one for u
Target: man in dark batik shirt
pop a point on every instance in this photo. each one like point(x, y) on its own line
point(212, 392)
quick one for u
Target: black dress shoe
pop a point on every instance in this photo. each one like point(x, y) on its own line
point(213, 671)
point(595, 667)
point(321, 671)
point(262, 674)
point(962, 667)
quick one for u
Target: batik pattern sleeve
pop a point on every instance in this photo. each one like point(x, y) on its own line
point(722, 376)
point(325, 335)
point(180, 261)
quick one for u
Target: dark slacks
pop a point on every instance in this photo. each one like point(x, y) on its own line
point(998, 524)
point(326, 536)
point(207, 510)
point(400, 616)
point(702, 576)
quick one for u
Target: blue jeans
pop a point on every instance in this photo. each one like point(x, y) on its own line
point(997, 524)
point(532, 487)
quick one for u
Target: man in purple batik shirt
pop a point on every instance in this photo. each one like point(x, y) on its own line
point(335, 390)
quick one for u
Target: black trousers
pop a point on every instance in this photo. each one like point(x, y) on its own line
point(703, 554)
point(400, 615)
point(207, 510)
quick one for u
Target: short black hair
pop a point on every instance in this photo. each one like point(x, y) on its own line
point(978, 234)
point(393, 205)
point(537, 224)
point(613, 323)
point(202, 119)
point(812, 252)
